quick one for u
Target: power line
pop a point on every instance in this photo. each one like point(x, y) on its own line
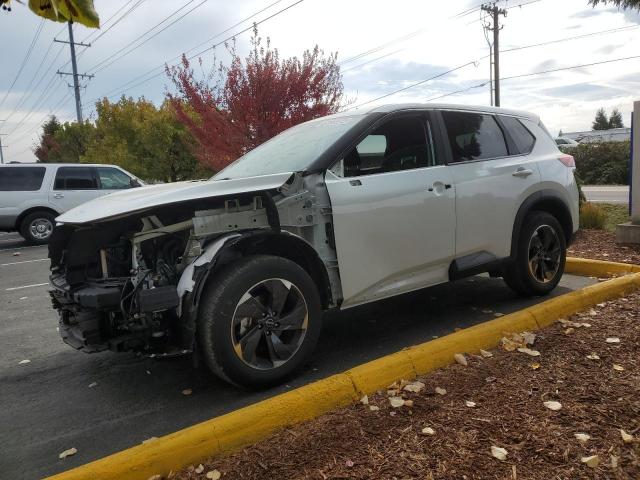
point(162, 67)
point(106, 22)
point(103, 33)
point(24, 60)
point(105, 63)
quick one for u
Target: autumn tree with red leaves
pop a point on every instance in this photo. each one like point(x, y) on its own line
point(253, 100)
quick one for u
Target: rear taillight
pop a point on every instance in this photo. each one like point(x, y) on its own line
point(567, 160)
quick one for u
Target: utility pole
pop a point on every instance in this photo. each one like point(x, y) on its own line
point(74, 69)
point(495, 12)
point(1, 153)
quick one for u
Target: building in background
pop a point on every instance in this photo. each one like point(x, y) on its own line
point(591, 136)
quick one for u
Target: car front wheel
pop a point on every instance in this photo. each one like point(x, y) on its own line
point(540, 257)
point(259, 320)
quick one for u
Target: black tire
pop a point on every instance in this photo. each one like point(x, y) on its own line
point(525, 277)
point(36, 228)
point(217, 330)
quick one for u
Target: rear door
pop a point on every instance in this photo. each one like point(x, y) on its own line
point(393, 207)
point(72, 186)
point(492, 177)
point(20, 188)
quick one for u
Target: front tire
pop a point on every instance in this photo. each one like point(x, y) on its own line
point(259, 320)
point(540, 257)
point(37, 227)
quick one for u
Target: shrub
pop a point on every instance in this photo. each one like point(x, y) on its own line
point(603, 163)
point(592, 216)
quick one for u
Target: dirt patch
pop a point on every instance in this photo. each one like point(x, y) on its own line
point(508, 390)
point(601, 245)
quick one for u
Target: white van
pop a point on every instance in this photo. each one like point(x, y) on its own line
point(33, 195)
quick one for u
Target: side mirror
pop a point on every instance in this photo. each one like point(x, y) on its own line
point(135, 183)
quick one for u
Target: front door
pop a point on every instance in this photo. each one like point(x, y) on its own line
point(73, 186)
point(393, 210)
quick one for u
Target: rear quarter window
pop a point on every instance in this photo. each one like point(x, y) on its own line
point(21, 179)
point(520, 135)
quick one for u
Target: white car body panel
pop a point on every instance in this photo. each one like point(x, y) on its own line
point(392, 234)
point(139, 199)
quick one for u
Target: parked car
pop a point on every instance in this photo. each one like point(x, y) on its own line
point(336, 212)
point(566, 142)
point(32, 195)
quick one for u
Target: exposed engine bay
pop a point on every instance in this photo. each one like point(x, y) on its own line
point(132, 282)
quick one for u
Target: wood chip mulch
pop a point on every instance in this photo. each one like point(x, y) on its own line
point(509, 389)
point(601, 245)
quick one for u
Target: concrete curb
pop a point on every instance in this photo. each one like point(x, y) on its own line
point(250, 424)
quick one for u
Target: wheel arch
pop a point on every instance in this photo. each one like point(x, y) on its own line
point(548, 201)
point(31, 210)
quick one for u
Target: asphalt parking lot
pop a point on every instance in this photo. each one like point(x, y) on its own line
point(103, 403)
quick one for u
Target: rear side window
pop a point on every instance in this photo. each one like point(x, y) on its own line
point(21, 179)
point(75, 178)
point(520, 135)
point(474, 136)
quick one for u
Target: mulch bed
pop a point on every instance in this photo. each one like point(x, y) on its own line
point(601, 245)
point(509, 390)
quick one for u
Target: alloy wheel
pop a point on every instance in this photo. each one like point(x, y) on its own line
point(544, 254)
point(269, 324)
point(41, 228)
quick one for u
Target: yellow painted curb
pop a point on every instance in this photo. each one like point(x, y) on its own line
point(598, 268)
point(250, 424)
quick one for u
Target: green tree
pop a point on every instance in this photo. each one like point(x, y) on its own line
point(615, 119)
point(601, 121)
point(624, 4)
point(147, 141)
point(63, 143)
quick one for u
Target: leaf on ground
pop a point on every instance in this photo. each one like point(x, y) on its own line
point(187, 391)
point(553, 405)
point(461, 359)
point(213, 475)
point(487, 310)
point(68, 453)
point(499, 453)
point(614, 462)
point(441, 391)
point(593, 356)
point(529, 337)
point(396, 402)
point(593, 313)
point(498, 314)
point(414, 387)
point(93, 384)
point(582, 437)
point(428, 431)
point(592, 461)
point(569, 331)
point(155, 477)
point(618, 368)
point(24, 362)
point(486, 354)
point(16, 254)
point(199, 469)
point(528, 351)
point(408, 403)
point(612, 340)
point(365, 400)
point(535, 366)
point(469, 403)
point(374, 408)
point(626, 437)
point(349, 463)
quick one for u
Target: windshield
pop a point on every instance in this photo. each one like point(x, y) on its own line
point(292, 150)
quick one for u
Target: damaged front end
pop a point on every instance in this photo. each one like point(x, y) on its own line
point(131, 281)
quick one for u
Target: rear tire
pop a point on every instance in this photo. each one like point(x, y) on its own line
point(541, 253)
point(259, 321)
point(37, 227)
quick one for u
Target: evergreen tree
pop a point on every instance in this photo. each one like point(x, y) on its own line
point(615, 119)
point(601, 121)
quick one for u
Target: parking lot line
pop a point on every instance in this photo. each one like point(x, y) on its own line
point(20, 248)
point(24, 261)
point(26, 286)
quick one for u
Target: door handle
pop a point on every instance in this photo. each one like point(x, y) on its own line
point(522, 172)
point(447, 186)
point(355, 183)
point(58, 195)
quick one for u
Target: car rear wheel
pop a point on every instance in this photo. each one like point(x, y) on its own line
point(259, 320)
point(540, 257)
point(37, 227)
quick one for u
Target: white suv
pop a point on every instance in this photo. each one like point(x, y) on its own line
point(33, 195)
point(333, 213)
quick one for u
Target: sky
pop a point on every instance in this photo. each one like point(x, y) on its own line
point(395, 45)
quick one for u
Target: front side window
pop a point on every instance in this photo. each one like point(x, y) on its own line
point(75, 178)
point(21, 179)
point(399, 144)
point(113, 179)
point(474, 136)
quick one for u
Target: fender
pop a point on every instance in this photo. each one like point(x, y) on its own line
point(548, 201)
